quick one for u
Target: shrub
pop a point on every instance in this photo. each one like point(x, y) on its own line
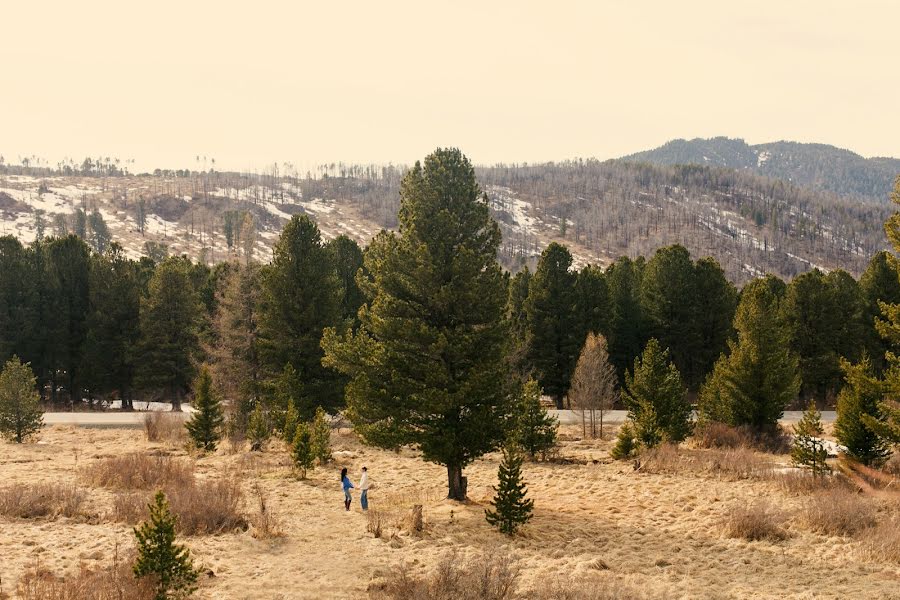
point(169, 564)
point(202, 508)
point(114, 582)
point(490, 577)
point(41, 500)
point(803, 482)
point(162, 426)
point(712, 434)
point(838, 511)
point(758, 521)
point(291, 418)
point(140, 471)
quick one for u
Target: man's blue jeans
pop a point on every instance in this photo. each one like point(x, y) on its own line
point(364, 499)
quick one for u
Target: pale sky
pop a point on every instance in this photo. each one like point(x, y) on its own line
point(249, 83)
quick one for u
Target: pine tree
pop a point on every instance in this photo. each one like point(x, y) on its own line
point(205, 425)
point(655, 398)
point(808, 449)
point(627, 444)
point(291, 420)
point(535, 430)
point(20, 413)
point(860, 397)
point(511, 508)
point(627, 335)
point(302, 450)
point(170, 564)
point(169, 318)
point(886, 423)
point(427, 365)
point(258, 429)
point(348, 260)
point(553, 338)
point(321, 436)
point(300, 296)
point(758, 378)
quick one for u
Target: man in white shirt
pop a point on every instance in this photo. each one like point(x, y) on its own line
point(364, 489)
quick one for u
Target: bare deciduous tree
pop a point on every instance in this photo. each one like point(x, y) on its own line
point(593, 384)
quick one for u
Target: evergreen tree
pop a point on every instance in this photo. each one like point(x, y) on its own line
point(321, 436)
point(427, 364)
point(879, 283)
point(258, 429)
point(518, 320)
point(758, 378)
point(348, 260)
point(302, 451)
point(20, 413)
point(113, 326)
point(860, 397)
point(205, 425)
point(170, 564)
point(627, 444)
point(592, 300)
point(535, 430)
point(886, 423)
point(291, 420)
point(553, 326)
point(511, 508)
point(169, 317)
point(18, 302)
point(286, 388)
point(626, 324)
point(300, 297)
point(808, 449)
point(655, 397)
point(100, 237)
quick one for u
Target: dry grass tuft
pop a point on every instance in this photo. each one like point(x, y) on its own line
point(41, 500)
point(720, 435)
point(164, 427)
point(115, 582)
point(374, 523)
point(598, 587)
point(882, 542)
point(490, 577)
point(203, 508)
point(266, 524)
point(737, 463)
point(799, 482)
point(138, 471)
point(839, 512)
point(758, 521)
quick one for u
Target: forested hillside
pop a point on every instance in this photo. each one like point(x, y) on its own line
point(600, 210)
point(817, 166)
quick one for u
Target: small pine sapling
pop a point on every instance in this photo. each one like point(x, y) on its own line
point(258, 430)
point(291, 418)
point(627, 445)
point(511, 508)
point(169, 564)
point(20, 412)
point(302, 450)
point(205, 426)
point(535, 430)
point(321, 436)
point(808, 449)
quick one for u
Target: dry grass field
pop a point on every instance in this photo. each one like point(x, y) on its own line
point(685, 523)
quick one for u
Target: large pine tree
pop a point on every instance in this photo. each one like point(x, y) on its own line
point(754, 383)
point(300, 297)
point(555, 333)
point(427, 362)
point(169, 319)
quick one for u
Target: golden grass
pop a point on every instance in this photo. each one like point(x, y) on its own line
point(754, 522)
point(162, 426)
point(838, 511)
point(736, 463)
point(113, 582)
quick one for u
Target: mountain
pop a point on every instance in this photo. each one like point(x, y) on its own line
point(817, 166)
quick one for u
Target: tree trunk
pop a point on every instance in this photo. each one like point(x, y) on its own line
point(558, 399)
point(176, 400)
point(456, 483)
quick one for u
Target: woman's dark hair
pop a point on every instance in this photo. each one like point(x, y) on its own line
point(343, 473)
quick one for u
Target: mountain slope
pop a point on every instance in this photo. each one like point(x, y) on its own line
point(817, 166)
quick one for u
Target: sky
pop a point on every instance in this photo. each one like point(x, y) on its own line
point(252, 83)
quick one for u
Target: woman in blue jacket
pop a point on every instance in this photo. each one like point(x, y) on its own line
point(347, 485)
